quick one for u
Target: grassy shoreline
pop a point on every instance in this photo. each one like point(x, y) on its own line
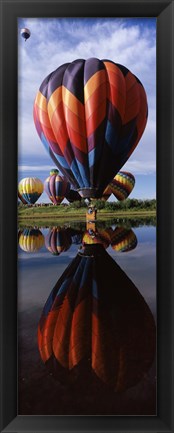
point(41, 216)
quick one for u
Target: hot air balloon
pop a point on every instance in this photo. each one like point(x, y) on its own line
point(56, 187)
point(90, 115)
point(123, 240)
point(30, 189)
point(58, 240)
point(25, 33)
point(31, 240)
point(96, 320)
point(122, 185)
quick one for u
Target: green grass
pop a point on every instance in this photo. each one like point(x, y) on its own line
point(58, 215)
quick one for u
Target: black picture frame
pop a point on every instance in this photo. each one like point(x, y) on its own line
point(164, 12)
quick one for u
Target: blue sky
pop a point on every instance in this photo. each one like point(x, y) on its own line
point(131, 42)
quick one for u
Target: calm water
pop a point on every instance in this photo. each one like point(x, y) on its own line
point(104, 359)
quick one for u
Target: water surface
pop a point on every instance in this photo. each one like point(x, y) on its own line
point(44, 391)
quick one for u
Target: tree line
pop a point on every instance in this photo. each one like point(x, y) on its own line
point(118, 205)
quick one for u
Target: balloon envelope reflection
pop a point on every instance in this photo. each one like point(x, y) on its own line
point(96, 317)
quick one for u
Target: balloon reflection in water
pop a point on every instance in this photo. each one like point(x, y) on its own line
point(95, 320)
point(30, 240)
point(58, 240)
point(123, 240)
point(97, 236)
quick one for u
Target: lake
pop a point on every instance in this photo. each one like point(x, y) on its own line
point(91, 351)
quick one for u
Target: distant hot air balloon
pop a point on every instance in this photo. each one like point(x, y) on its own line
point(56, 187)
point(122, 185)
point(96, 319)
point(31, 240)
point(30, 189)
point(58, 240)
point(123, 240)
point(90, 115)
point(25, 33)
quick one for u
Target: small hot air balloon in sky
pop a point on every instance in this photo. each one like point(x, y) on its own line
point(31, 240)
point(56, 187)
point(122, 185)
point(90, 115)
point(30, 189)
point(96, 319)
point(123, 240)
point(25, 33)
point(58, 240)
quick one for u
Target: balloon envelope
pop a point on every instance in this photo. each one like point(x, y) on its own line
point(30, 189)
point(122, 185)
point(56, 187)
point(90, 115)
point(25, 33)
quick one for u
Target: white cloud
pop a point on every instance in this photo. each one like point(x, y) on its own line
point(35, 167)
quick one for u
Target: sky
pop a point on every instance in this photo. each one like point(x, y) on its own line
point(131, 42)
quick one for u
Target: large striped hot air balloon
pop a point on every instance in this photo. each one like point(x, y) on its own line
point(31, 240)
point(30, 189)
point(56, 187)
point(90, 115)
point(96, 317)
